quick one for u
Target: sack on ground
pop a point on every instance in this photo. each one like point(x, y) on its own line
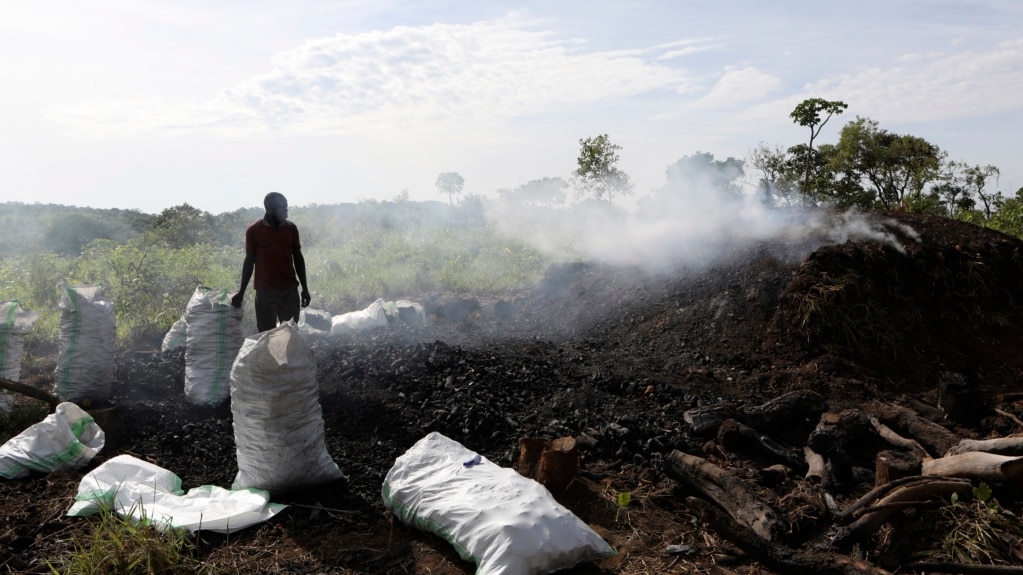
point(68, 438)
point(374, 315)
point(15, 322)
point(137, 489)
point(88, 336)
point(176, 337)
point(506, 523)
point(214, 335)
point(278, 421)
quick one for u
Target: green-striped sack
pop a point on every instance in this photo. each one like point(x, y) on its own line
point(88, 336)
point(68, 438)
point(15, 322)
point(214, 336)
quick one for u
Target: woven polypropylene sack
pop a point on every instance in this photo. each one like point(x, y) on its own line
point(15, 322)
point(214, 336)
point(278, 421)
point(88, 337)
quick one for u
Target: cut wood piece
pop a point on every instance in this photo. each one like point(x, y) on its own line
point(775, 556)
point(739, 438)
point(29, 391)
point(965, 568)
point(815, 466)
point(705, 420)
point(559, 465)
point(976, 465)
point(936, 439)
point(729, 492)
point(891, 465)
point(530, 451)
point(999, 445)
point(911, 489)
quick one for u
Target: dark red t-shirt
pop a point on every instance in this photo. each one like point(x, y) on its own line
point(275, 266)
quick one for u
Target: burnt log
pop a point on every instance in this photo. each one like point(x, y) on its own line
point(934, 438)
point(891, 465)
point(728, 491)
point(739, 438)
point(794, 413)
point(707, 419)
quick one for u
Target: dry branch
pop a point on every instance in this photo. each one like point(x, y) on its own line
point(30, 391)
point(936, 439)
point(919, 489)
point(966, 569)
point(737, 437)
point(775, 556)
point(999, 445)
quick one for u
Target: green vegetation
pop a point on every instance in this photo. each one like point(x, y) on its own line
point(118, 546)
point(355, 253)
point(976, 532)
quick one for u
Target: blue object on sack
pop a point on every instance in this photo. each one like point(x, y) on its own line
point(474, 461)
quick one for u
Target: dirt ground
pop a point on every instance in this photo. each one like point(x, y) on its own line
point(619, 359)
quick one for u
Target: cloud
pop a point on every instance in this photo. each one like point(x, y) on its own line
point(398, 79)
point(934, 87)
point(740, 86)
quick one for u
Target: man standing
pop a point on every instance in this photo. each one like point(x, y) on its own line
point(273, 249)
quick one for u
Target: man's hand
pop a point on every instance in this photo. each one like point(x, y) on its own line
point(237, 299)
point(305, 298)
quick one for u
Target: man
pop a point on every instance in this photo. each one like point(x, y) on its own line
point(272, 247)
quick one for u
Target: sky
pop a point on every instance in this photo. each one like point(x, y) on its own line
point(147, 104)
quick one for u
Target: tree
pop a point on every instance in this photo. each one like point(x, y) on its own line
point(598, 171)
point(185, 225)
point(702, 172)
point(450, 183)
point(896, 167)
point(975, 179)
point(545, 192)
point(777, 180)
point(808, 114)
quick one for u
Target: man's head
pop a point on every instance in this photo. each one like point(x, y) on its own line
point(276, 208)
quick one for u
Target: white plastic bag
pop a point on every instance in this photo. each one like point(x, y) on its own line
point(15, 322)
point(213, 339)
point(374, 315)
point(278, 422)
point(68, 438)
point(137, 489)
point(506, 523)
point(88, 335)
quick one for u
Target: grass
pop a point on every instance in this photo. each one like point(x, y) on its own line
point(978, 531)
point(118, 546)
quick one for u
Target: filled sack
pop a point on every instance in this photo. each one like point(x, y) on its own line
point(373, 315)
point(15, 322)
point(278, 421)
point(68, 438)
point(506, 523)
point(214, 336)
point(176, 337)
point(88, 337)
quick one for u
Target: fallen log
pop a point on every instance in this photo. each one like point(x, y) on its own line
point(737, 437)
point(30, 391)
point(918, 489)
point(778, 557)
point(730, 493)
point(897, 440)
point(976, 465)
point(781, 412)
point(706, 419)
point(999, 445)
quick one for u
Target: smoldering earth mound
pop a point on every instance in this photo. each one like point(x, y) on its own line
point(614, 357)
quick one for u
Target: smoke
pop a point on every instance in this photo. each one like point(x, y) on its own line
point(687, 227)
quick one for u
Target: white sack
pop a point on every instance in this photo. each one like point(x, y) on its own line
point(88, 335)
point(15, 322)
point(372, 316)
point(213, 339)
point(506, 523)
point(176, 336)
point(68, 438)
point(278, 422)
point(136, 489)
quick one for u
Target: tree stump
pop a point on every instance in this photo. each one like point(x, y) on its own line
point(891, 465)
point(559, 465)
